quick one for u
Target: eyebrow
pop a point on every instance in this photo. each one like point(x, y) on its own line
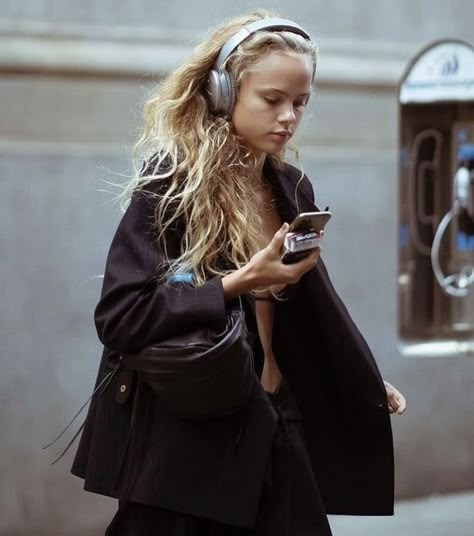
point(283, 92)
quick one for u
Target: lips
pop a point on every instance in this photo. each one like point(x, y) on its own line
point(282, 134)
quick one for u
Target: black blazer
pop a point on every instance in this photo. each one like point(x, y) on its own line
point(133, 448)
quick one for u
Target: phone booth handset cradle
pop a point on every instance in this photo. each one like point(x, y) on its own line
point(436, 202)
point(462, 283)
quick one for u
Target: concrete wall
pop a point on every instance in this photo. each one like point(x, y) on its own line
point(72, 76)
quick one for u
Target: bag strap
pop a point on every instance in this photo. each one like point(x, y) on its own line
point(107, 380)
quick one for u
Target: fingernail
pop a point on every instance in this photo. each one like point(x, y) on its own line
point(284, 227)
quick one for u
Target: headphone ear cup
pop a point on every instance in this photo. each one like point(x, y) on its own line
point(221, 92)
point(232, 92)
point(213, 90)
point(226, 93)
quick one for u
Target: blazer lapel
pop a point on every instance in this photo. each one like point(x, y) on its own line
point(283, 185)
point(283, 191)
point(284, 182)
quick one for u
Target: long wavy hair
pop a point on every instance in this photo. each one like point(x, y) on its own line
point(207, 173)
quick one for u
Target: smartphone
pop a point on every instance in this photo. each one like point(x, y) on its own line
point(310, 221)
point(304, 235)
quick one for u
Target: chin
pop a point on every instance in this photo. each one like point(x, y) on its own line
point(268, 148)
point(275, 150)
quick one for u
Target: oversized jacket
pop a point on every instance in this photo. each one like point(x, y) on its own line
point(133, 448)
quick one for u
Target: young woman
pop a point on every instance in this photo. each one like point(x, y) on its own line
point(205, 225)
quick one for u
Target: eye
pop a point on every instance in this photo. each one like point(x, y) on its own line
point(271, 100)
point(301, 104)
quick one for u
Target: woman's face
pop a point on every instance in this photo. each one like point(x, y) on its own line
point(271, 101)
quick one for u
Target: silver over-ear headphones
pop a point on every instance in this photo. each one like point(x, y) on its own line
point(220, 83)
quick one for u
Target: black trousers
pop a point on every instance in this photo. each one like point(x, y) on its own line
point(290, 505)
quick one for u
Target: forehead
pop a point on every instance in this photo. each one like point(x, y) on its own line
point(282, 69)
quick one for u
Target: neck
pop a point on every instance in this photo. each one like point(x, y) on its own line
point(260, 162)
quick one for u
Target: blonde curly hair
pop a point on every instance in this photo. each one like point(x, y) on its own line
point(207, 171)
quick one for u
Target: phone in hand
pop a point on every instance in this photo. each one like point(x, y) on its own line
point(304, 235)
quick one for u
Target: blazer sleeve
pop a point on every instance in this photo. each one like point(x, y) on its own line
point(135, 310)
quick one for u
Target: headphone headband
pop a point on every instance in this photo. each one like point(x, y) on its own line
point(220, 86)
point(275, 25)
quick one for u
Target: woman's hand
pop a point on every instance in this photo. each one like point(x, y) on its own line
point(266, 267)
point(396, 401)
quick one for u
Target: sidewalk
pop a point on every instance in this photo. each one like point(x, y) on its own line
point(440, 515)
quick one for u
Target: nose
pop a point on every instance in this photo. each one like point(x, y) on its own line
point(287, 114)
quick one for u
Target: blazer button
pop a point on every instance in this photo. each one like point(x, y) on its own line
point(124, 387)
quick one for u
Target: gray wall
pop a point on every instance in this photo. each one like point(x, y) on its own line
point(72, 76)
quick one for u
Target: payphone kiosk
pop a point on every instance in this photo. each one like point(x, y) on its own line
point(436, 202)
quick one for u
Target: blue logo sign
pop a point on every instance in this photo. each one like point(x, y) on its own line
point(450, 66)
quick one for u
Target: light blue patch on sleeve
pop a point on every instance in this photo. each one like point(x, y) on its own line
point(187, 277)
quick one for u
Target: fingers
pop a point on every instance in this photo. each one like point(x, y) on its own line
point(298, 269)
point(397, 407)
point(277, 242)
point(277, 272)
point(396, 401)
point(402, 404)
point(279, 237)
